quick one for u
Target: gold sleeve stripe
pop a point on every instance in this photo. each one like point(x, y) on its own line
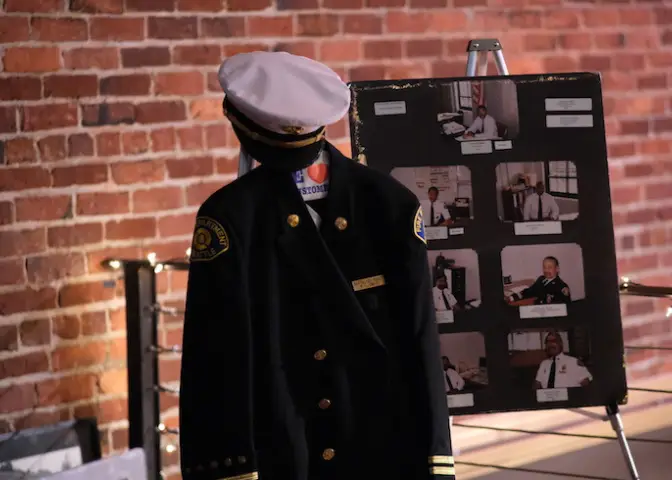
point(442, 459)
point(244, 476)
point(442, 470)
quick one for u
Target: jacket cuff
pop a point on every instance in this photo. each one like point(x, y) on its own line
point(441, 467)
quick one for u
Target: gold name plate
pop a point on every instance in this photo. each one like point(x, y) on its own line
point(366, 283)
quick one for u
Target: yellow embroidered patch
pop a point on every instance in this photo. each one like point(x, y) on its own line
point(419, 226)
point(366, 283)
point(210, 240)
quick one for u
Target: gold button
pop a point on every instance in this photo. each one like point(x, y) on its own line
point(320, 355)
point(293, 220)
point(228, 462)
point(341, 223)
point(242, 460)
point(324, 403)
point(328, 453)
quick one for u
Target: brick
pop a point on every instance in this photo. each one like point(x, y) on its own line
point(635, 127)
point(201, 5)
point(280, 26)
point(28, 300)
point(236, 48)
point(12, 272)
point(197, 55)
point(145, 57)
point(46, 117)
point(317, 25)
point(540, 42)
point(108, 114)
point(35, 332)
point(79, 175)
point(19, 150)
point(381, 49)
point(78, 356)
point(167, 28)
point(52, 148)
point(601, 17)
point(143, 171)
point(199, 192)
point(384, 3)
point(158, 112)
point(468, 3)
point(32, 60)
point(24, 178)
point(179, 83)
point(621, 149)
point(65, 390)
point(432, 47)
point(191, 167)
point(442, 69)
point(50, 268)
point(134, 143)
point(150, 5)
point(6, 213)
point(403, 22)
point(157, 199)
point(363, 23)
point(102, 203)
point(26, 364)
point(117, 29)
point(97, 6)
point(206, 109)
point(228, 27)
point(297, 4)
point(609, 41)
point(130, 229)
point(88, 58)
point(14, 29)
point(67, 327)
point(658, 191)
point(304, 49)
point(75, 235)
point(346, 4)
point(190, 138)
point(58, 29)
point(20, 88)
point(240, 5)
point(7, 119)
point(163, 139)
point(9, 338)
point(108, 144)
point(80, 145)
point(71, 86)
point(22, 242)
point(176, 225)
point(340, 50)
point(215, 136)
point(84, 294)
point(53, 207)
point(93, 323)
point(17, 397)
point(121, 85)
point(227, 165)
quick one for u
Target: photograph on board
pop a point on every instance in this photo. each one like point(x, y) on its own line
point(543, 275)
point(445, 196)
point(456, 284)
point(474, 110)
point(464, 362)
point(537, 191)
point(547, 358)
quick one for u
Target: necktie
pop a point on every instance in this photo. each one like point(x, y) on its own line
point(431, 215)
point(551, 375)
point(445, 300)
point(450, 384)
point(539, 213)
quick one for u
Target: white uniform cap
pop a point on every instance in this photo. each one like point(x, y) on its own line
point(284, 93)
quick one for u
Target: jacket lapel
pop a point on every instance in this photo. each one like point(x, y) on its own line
point(306, 248)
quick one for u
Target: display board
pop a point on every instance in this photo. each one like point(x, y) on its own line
point(513, 179)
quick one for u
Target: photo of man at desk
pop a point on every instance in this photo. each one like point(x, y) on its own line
point(478, 110)
point(523, 285)
point(463, 356)
point(456, 281)
point(537, 191)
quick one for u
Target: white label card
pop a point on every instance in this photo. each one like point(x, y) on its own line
point(436, 233)
point(569, 104)
point(543, 311)
point(552, 395)
point(476, 147)
point(537, 228)
point(503, 144)
point(460, 401)
point(389, 108)
point(456, 231)
point(569, 121)
point(445, 316)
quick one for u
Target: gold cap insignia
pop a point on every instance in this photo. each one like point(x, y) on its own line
point(291, 129)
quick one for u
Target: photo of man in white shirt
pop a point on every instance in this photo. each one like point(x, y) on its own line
point(435, 211)
point(540, 206)
point(560, 370)
point(483, 124)
point(443, 298)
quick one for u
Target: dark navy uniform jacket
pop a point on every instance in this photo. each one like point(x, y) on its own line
point(307, 354)
point(555, 291)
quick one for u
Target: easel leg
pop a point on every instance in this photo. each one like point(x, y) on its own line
point(617, 424)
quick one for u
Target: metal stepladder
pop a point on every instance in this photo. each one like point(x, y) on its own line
point(478, 57)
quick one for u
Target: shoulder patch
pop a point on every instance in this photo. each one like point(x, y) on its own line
point(565, 291)
point(419, 226)
point(210, 240)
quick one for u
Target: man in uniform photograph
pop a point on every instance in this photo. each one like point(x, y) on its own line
point(548, 289)
point(436, 211)
point(454, 382)
point(483, 124)
point(560, 370)
point(443, 298)
point(540, 206)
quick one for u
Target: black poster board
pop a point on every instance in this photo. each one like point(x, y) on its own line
point(516, 285)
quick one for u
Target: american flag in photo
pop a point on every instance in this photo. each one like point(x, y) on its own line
point(477, 94)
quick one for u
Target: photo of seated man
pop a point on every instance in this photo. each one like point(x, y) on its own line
point(455, 279)
point(478, 110)
point(544, 358)
point(464, 362)
point(549, 274)
point(452, 380)
point(443, 299)
point(537, 191)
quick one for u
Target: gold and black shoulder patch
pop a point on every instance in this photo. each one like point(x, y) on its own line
point(419, 226)
point(210, 240)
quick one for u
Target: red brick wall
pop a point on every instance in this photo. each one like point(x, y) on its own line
point(111, 135)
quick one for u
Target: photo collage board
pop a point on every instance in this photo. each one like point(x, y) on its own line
point(511, 173)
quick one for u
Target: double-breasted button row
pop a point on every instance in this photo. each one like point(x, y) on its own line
point(293, 221)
